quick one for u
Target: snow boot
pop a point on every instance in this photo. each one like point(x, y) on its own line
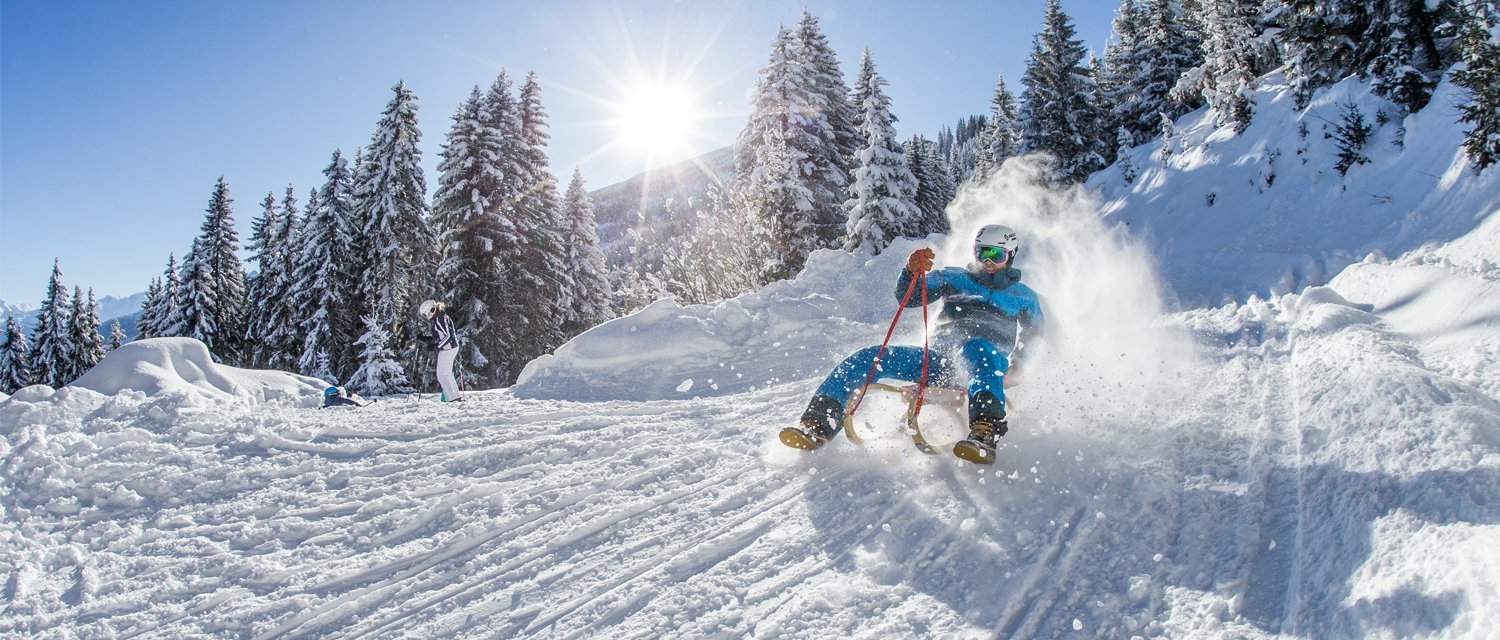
point(819, 423)
point(987, 425)
point(979, 447)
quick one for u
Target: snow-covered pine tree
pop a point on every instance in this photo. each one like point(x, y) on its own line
point(1404, 45)
point(935, 188)
point(1168, 135)
point(146, 323)
point(83, 334)
point(1232, 59)
point(1124, 141)
point(1407, 56)
point(361, 257)
point(380, 371)
point(211, 300)
point(882, 197)
point(221, 246)
point(265, 239)
point(1059, 112)
point(116, 335)
point(157, 313)
point(1168, 50)
point(538, 283)
point(788, 124)
point(1350, 136)
point(770, 193)
point(591, 303)
point(833, 95)
point(77, 363)
point(1000, 138)
point(51, 349)
point(280, 332)
point(323, 287)
point(1121, 68)
point(15, 358)
point(194, 312)
point(962, 151)
point(1315, 34)
point(470, 231)
point(393, 200)
point(1480, 75)
point(296, 300)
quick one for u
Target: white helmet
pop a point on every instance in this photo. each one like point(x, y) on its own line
point(998, 236)
point(428, 307)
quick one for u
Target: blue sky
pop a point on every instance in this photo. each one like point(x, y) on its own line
point(116, 118)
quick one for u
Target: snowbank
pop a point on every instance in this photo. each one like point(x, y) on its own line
point(790, 330)
point(1444, 299)
point(184, 366)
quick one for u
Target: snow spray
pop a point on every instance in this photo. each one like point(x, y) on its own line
point(1104, 345)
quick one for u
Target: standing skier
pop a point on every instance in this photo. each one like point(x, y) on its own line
point(976, 335)
point(446, 340)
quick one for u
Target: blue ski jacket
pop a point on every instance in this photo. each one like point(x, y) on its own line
point(996, 307)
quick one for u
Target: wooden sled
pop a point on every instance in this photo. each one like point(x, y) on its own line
point(909, 421)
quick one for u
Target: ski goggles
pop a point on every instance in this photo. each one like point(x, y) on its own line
point(991, 254)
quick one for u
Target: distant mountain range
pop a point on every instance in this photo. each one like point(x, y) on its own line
point(126, 310)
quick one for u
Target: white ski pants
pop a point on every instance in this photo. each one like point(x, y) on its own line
point(445, 359)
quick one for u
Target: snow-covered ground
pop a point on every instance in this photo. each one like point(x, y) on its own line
point(1320, 464)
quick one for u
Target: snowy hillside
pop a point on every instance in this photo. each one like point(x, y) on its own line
point(1313, 464)
point(621, 203)
point(1265, 212)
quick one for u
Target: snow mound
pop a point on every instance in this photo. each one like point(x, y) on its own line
point(184, 366)
point(789, 330)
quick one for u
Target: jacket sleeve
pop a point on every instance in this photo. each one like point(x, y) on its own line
point(937, 287)
point(1033, 324)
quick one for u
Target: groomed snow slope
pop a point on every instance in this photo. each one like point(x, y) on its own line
point(1313, 465)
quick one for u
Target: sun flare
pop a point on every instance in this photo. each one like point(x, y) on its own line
point(657, 120)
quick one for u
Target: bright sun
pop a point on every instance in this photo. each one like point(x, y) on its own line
point(657, 120)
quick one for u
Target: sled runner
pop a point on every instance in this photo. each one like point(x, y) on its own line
point(909, 421)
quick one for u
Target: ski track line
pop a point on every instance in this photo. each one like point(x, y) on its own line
point(1269, 580)
point(1294, 588)
point(544, 550)
point(847, 539)
point(678, 564)
point(390, 538)
point(211, 602)
point(574, 499)
point(1025, 611)
point(557, 545)
point(390, 575)
point(803, 585)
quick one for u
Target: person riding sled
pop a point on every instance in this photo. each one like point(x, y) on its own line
point(975, 341)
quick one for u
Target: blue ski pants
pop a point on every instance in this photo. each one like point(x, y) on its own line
point(979, 360)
